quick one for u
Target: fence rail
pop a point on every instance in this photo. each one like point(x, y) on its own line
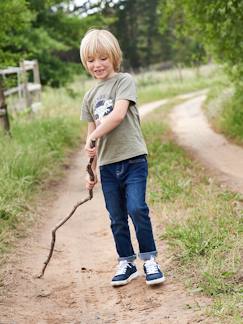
point(28, 93)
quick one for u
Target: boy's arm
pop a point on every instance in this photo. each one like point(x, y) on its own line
point(91, 152)
point(111, 121)
point(91, 128)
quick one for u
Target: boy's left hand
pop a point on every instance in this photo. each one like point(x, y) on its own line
point(91, 152)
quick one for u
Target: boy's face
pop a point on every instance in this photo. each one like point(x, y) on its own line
point(100, 67)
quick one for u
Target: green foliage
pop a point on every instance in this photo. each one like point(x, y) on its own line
point(218, 24)
point(46, 31)
point(144, 43)
point(15, 20)
point(232, 116)
point(224, 108)
point(136, 27)
point(185, 46)
point(51, 30)
point(52, 70)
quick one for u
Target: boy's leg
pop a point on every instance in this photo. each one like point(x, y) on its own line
point(135, 185)
point(116, 205)
point(137, 171)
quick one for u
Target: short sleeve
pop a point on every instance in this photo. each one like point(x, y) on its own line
point(85, 112)
point(126, 89)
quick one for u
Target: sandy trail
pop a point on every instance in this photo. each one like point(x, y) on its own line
point(193, 132)
point(76, 286)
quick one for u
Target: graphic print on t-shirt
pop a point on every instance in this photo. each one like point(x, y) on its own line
point(102, 108)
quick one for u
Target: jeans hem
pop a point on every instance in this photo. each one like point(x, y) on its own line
point(147, 255)
point(128, 259)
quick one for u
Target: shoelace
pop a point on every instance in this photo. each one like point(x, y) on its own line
point(122, 267)
point(151, 267)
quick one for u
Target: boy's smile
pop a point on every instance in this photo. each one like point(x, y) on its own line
point(100, 68)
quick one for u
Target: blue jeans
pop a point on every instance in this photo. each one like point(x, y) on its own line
point(124, 189)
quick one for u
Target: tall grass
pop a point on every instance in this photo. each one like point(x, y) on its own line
point(158, 85)
point(224, 108)
point(232, 117)
point(203, 222)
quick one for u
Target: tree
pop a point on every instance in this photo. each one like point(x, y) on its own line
point(15, 20)
point(137, 28)
point(218, 24)
point(45, 30)
point(185, 45)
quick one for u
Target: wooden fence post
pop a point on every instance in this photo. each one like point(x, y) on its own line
point(36, 75)
point(25, 85)
point(4, 120)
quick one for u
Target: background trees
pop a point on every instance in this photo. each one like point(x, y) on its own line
point(150, 32)
point(218, 26)
point(50, 31)
point(45, 30)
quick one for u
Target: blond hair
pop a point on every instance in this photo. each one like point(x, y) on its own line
point(100, 42)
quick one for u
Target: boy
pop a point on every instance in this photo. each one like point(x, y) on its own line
point(110, 109)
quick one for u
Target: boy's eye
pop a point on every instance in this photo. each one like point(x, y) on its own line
point(90, 59)
point(103, 58)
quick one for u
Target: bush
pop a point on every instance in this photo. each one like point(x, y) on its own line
point(232, 117)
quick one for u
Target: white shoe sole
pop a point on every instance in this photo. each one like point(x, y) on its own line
point(124, 282)
point(155, 281)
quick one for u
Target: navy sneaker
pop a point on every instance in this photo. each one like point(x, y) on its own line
point(126, 271)
point(152, 272)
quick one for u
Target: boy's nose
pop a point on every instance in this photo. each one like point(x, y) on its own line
point(97, 63)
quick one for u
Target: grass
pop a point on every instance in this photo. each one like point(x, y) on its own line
point(232, 117)
point(158, 85)
point(224, 109)
point(203, 222)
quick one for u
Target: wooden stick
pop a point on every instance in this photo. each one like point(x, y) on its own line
point(91, 176)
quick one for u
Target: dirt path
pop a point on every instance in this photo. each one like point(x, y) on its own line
point(76, 287)
point(193, 132)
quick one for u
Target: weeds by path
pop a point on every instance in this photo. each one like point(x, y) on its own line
point(159, 85)
point(203, 222)
point(224, 109)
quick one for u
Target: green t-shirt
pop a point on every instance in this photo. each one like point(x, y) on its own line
point(126, 140)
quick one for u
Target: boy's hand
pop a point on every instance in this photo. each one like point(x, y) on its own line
point(91, 152)
point(90, 184)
